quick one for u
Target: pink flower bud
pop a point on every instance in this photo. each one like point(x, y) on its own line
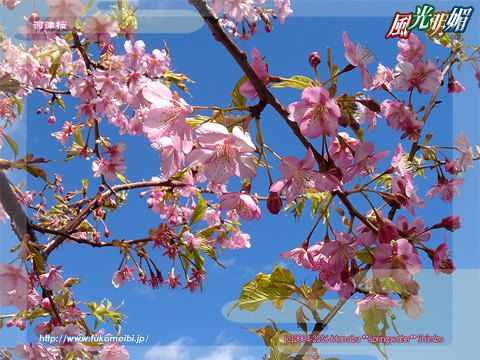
point(101, 188)
point(51, 119)
point(106, 233)
point(268, 28)
point(314, 60)
point(46, 304)
point(477, 75)
point(450, 223)
point(21, 324)
point(34, 17)
point(274, 203)
point(10, 323)
point(450, 167)
point(387, 232)
point(47, 111)
point(98, 212)
point(39, 111)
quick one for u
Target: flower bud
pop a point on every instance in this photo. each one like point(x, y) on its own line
point(51, 119)
point(47, 111)
point(314, 60)
point(21, 324)
point(34, 17)
point(274, 203)
point(106, 233)
point(450, 167)
point(391, 200)
point(98, 212)
point(387, 232)
point(39, 111)
point(343, 120)
point(10, 322)
point(450, 223)
point(268, 28)
point(101, 188)
point(447, 266)
point(477, 75)
point(412, 287)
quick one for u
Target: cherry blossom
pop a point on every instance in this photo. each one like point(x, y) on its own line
point(239, 9)
point(411, 49)
point(359, 56)
point(244, 204)
point(61, 332)
point(365, 161)
point(261, 70)
point(446, 189)
point(113, 351)
point(166, 117)
point(425, 77)
point(413, 308)
point(100, 27)
point(383, 78)
point(223, 154)
point(297, 175)
point(340, 251)
point(316, 113)
point(398, 261)
point(120, 276)
point(52, 279)
point(284, 9)
point(13, 278)
point(65, 10)
point(365, 115)
point(465, 158)
point(379, 302)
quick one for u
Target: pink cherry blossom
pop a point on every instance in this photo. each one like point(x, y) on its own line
point(113, 351)
point(341, 151)
point(166, 117)
point(65, 10)
point(241, 240)
point(120, 276)
point(316, 114)
point(284, 9)
point(157, 62)
point(365, 161)
point(61, 332)
point(223, 154)
point(239, 9)
point(411, 49)
point(135, 56)
point(441, 261)
point(340, 251)
point(359, 56)
point(379, 302)
point(400, 117)
point(454, 86)
point(13, 278)
point(111, 168)
point(172, 281)
point(445, 189)
point(297, 175)
point(191, 240)
point(399, 261)
point(465, 158)
point(365, 115)
point(261, 70)
point(413, 229)
point(244, 204)
point(383, 78)
point(406, 191)
point(52, 279)
point(413, 308)
point(425, 77)
point(100, 27)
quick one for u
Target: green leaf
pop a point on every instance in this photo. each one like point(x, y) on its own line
point(8, 84)
point(266, 332)
point(300, 315)
point(37, 172)
point(371, 320)
point(85, 9)
point(18, 103)
point(237, 98)
point(281, 275)
point(297, 82)
point(10, 142)
point(122, 178)
point(199, 210)
point(364, 256)
point(206, 233)
point(199, 260)
point(334, 71)
point(209, 251)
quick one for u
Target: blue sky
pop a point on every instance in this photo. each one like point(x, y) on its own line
point(184, 326)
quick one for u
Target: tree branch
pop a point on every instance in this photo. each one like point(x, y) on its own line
point(241, 59)
point(19, 221)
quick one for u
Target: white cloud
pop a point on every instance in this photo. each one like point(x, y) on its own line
point(177, 350)
point(227, 352)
